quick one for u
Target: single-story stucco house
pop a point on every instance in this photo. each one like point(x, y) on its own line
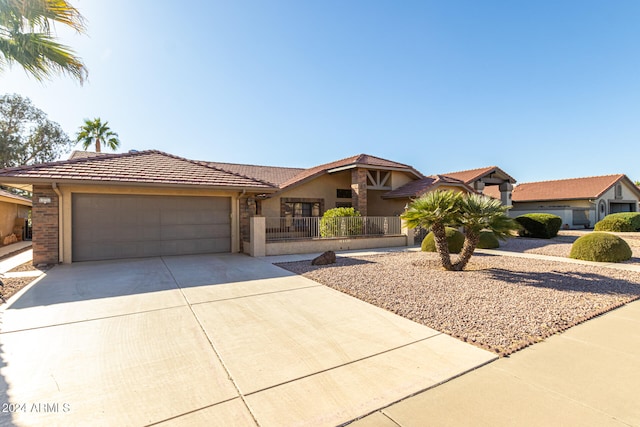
point(14, 213)
point(580, 202)
point(97, 206)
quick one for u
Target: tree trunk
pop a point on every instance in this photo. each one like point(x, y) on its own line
point(471, 240)
point(97, 145)
point(442, 246)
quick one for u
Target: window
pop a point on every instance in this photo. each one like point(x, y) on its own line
point(302, 209)
point(343, 193)
point(618, 191)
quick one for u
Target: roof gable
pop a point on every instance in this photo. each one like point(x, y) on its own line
point(361, 160)
point(471, 175)
point(143, 167)
point(566, 189)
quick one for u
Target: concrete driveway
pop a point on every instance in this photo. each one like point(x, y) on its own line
point(208, 340)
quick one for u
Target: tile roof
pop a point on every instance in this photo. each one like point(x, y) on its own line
point(471, 175)
point(22, 200)
point(353, 161)
point(274, 175)
point(418, 187)
point(565, 189)
point(143, 167)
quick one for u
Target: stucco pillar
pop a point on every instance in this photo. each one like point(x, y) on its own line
point(505, 193)
point(257, 231)
point(359, 190)
point(408, 232)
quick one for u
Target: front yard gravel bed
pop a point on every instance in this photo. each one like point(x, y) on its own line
point(559, 246)
point(499, 303)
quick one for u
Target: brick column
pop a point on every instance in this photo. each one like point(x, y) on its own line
point(44, 219)
point(359, 190)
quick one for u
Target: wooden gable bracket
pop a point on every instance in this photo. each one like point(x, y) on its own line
point(377, 180)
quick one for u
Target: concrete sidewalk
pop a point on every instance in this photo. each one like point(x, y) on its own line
point(585, 376)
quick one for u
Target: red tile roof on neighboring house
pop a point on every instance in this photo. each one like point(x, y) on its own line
point(143, 167)
point(565, 189)
point(274, 175)
point(19, 199)
point(472, 175)
point(419, 187)
point(361, 160)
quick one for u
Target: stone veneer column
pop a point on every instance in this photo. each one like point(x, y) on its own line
point(44, 219)
point(359, 190)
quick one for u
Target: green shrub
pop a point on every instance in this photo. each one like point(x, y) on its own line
point(488, 240)
point(601, 247)
point(623, 221)
point(455, 240)
point(340, 222)
point(540, 225)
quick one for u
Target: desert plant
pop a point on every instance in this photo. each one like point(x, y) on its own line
point(623, 221)
point(601, 247)
point(435, 210)
point(455, 241)
point(340, 222)
point(539, 225)
point(488, 240)
point(473, 212)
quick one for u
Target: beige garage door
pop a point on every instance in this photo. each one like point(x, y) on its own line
point(107, 226)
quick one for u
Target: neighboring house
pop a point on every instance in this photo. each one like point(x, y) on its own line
point(490, 180)
point(580, 202)
point(98, 206)
point(14, 211)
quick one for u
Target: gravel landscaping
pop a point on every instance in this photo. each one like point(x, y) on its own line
point(499, 303)
point(561, 245)
point(11, 285)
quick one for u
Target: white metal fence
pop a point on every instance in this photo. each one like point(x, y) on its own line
point(305, 228)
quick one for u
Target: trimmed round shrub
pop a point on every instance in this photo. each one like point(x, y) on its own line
point(455, 240)
point(539, 225)
point(341, 222)
point(488, 240)
point(601, 247)
point(623, 221)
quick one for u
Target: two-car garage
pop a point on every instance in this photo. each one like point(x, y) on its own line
point(111, 226)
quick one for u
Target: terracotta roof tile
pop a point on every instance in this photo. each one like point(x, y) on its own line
point(148, 167)
point(274, 175)
point(419, 187)
point(565, 189)
point(361, 159)
point(471, 175)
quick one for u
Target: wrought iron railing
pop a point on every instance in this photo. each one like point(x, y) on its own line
point(306, 228)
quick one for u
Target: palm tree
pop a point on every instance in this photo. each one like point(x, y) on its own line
point(435, 210)
point(473, 212)
point(98, 133)
point(26, 37)
point(478, 213)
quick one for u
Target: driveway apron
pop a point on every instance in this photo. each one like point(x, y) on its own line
point(208, 340)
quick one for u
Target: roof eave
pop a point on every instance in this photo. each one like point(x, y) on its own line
point(24, 183)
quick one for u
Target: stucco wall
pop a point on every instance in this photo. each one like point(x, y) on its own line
point(321, 245)
point(8, 214)
point(323, 187)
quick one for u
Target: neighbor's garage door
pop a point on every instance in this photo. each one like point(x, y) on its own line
point(107, 226)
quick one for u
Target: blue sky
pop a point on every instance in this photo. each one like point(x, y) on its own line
point(543, 89)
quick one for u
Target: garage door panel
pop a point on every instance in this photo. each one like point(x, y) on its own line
point(125, 226)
